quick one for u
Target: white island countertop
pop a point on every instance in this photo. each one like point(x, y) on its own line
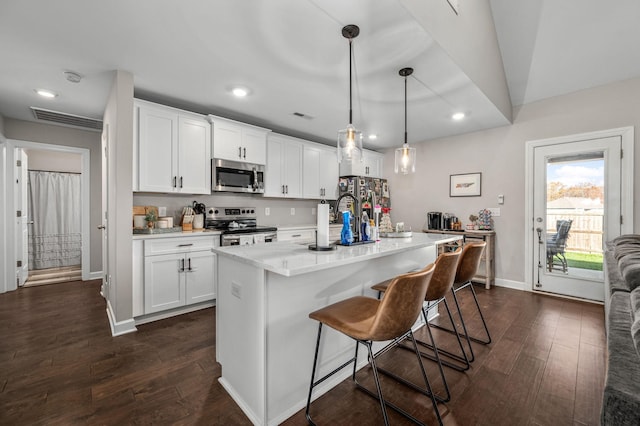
point(291, 259)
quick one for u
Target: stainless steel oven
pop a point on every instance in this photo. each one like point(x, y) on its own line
point(234, 176)
point(239, 226)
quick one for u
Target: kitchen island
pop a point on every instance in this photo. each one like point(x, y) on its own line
point(264, 337)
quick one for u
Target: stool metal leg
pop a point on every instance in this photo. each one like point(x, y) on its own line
point(484, 322)
point(313, 375)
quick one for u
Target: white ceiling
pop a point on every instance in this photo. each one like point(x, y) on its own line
point(292, 56)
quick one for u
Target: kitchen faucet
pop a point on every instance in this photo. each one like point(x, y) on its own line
point(356, 214)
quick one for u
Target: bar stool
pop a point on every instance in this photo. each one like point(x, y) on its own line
point(368, 320)
point(441, 282)
point(467, 269)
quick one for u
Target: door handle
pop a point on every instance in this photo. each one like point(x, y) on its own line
point(99, 226)
point(189, 264)
point(239, 152)
point(175, 178)
point(30, 222)
point(180, 181)
point(244, 153)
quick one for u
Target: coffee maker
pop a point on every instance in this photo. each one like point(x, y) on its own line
point(434, 220)
point(448, 219)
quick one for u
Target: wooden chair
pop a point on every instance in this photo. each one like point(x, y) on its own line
point(368, 320)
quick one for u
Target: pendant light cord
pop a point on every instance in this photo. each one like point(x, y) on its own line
point(350, 89)
point(405, 110)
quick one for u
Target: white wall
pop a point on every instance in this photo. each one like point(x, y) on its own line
point(66, 136)
point(51, 161)
point(500, 155)
point(118, 116)
point(3, 224)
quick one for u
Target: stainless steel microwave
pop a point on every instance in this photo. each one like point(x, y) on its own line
point(234, 176)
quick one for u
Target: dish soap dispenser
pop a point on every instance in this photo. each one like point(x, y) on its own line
point(365, 227)
point(346, 235)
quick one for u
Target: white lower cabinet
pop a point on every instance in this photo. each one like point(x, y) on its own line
point(177, 272)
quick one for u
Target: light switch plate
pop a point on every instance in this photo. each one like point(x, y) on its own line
point(495, 211)
point(293, 211)
point(162, 211)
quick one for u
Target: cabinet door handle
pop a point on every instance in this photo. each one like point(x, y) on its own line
point(296, 235)
point(180, 181)
point(287, 187)
point(189, 264)
point(182, 267)
point(175, 180)
point(283, 189)
point(239, 152)
point(185, 245)
point(244, 153)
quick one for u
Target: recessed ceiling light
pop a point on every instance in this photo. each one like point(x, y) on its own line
point(240, 92)
point(373, 137)
point(458, 116)
point(46, 93)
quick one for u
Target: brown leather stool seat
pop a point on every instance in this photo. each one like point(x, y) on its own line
point(441, 282)
point(366, 320)
point(467, 269)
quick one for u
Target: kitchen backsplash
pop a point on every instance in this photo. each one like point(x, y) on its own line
point(279, 209)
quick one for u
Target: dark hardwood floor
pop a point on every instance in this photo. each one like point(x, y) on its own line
point(59, 365)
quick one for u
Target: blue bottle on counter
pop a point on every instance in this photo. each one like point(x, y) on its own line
point(346, 235)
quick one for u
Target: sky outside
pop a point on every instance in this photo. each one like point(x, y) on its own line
point(577, 172)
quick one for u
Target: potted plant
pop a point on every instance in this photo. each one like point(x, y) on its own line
point(150, 217)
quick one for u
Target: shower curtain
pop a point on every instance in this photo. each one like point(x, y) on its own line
point(56, 211)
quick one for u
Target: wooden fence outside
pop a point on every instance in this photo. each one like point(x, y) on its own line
point(586, 231)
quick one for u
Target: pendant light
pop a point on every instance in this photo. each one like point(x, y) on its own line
point(405, 155)
point(350, 139)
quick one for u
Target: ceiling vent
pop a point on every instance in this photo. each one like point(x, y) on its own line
point(64, 119)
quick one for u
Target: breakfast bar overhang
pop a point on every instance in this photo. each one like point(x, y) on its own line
point(264, 337)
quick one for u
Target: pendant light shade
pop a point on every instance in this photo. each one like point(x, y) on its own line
point(350, 139)
point(405, 162)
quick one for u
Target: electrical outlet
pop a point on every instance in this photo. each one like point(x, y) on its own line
point(162, 211)
point(313, 211)
point(267, 211)
point(495, 212)
point(293, 211)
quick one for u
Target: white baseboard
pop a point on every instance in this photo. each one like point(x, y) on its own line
point(516, 285)
point(122, 327)
point(143, 319)
point(95, 275)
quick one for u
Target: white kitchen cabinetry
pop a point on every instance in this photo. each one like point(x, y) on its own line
point(283, 173)
point(237, 141)
point(370, 166)
point(320, 172)
point(178, 272)
point(307, 234)
point(173, 150)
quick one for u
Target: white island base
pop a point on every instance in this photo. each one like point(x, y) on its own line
point(264, 338)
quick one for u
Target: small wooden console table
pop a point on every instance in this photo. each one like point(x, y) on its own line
point(487, 268)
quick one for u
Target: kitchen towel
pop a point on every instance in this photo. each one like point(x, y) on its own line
point(323, 225)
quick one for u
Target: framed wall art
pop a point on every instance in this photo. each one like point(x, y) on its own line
point(465, 185)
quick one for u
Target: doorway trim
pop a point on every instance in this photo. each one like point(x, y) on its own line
point(86, 203)
point(626, 135)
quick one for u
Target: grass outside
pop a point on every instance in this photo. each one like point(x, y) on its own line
point(584, 260)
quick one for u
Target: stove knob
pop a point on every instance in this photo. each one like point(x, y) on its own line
point(253, 211)
point(216, 211)
point(243, 211)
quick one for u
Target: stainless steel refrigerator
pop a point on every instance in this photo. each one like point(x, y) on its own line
point(368, 190)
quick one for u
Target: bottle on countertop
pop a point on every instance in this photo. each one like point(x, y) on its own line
point(365, 227)
point(346, 235)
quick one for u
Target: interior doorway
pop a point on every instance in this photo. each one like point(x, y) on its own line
point(54, 217)
point(16, 194)
point(577, 203)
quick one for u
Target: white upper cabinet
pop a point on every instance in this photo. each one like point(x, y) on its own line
point(372, 165)
point(283, 175)
point(237, 141)
point(320, 172)
point(173, 150)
